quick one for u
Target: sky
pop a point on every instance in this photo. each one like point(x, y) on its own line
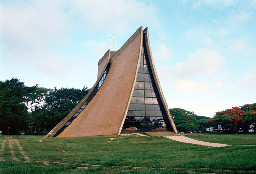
point(204, 50)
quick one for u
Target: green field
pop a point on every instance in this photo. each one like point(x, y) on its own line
point(127, 154)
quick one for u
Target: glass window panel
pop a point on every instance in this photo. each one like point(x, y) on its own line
point(140, 70)
point(149, 101)
point(139, 85)
point(152, 107)
point(138, 118)
point(76, 114)
point(139, 100)
point(150, 93)
point(130, 113)
point(153, 119)
point(140, 77)
point(133, 100)
point(130, 118)
point(132, 107)
point(146, 120)
point(139, 113)
point(145, 69)
point(136, 85)
point(67, 123)
point(153, 113)
point(80, 110)
point(135, 94)
point(147, 78)
point(139, 107)
point(148, 85)
point(155, 101)
point(159, 123)
point(141, 60)
point(140, 93)
point(83, 106)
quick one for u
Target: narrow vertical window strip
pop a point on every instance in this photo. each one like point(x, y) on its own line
point(94, 92)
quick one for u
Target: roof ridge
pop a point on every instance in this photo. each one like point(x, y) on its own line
point(103, 57)
point(118, 52)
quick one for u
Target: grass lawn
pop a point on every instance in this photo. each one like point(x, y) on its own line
point(128, 154)
point(238, 139)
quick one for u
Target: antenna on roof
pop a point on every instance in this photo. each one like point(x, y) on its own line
point(113, 38)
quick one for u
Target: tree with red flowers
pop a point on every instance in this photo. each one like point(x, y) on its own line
point(236, 119)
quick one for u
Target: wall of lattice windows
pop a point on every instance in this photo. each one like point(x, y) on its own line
point(146, 112)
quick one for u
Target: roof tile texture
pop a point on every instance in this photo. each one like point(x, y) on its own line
point(104, 114)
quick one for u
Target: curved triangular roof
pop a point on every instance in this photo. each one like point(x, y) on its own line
point(106, 105)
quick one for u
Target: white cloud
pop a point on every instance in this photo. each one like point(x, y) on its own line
point(190, 76)
point(218, 84)
point(34, 25)
point(35, 33)
point(253, 3)
point(162, 53)
point(94, 50)
point(241, 17)
point(237, 45)
point(164, 76)
point(207, 42)
point(241, 45)
point(213, 3)
point(202, 63)
point(214, 94)
point(113, 15)
point(183, 85)
point(249, 81)
point(29, 33)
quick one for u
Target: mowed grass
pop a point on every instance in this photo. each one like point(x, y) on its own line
point(132, 154)
point(238, 139)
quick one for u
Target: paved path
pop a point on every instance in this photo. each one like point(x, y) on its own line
point(184, 139)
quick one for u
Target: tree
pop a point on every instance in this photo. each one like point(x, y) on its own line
point(13, 111)
point(236, 119)
point(184, 120)
point(202, 122)
point(249, 117)
point(34, 107)
point(57, 104)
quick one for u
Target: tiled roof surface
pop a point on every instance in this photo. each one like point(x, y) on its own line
point(105, 113)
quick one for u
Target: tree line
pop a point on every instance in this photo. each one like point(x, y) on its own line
point(37, 110)
point(188, 121)
point(34, 110)
point(235, 120)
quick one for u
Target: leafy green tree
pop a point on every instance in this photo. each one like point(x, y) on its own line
point(13, 110)
point(202, 122)
point(184, 120)
point(236, 119)
point(249, 117)
point(36, 108)
point(222, 119)
point(57, 104)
